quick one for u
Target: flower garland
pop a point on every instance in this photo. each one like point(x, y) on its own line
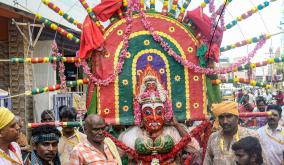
point(191, 65)
point(135, 6)
point(62, 76)
point(204, 127)
point(122, 56)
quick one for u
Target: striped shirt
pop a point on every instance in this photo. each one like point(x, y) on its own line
point(86, 153)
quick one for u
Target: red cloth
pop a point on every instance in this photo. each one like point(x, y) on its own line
point(279, 99)
point(91, 38)
point(203, 24)
point(106, 9)
point(244, 109)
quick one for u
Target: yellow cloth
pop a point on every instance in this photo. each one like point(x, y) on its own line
point(113, 149)
point(6, 116)
point(224, 107)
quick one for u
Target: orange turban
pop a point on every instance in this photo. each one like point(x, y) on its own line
point(224, 107)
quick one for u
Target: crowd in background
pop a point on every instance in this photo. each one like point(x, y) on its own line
point(244, 141)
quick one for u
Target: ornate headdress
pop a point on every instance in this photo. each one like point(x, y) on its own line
point(144, 95)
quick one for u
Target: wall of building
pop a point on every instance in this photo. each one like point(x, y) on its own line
point(20, 74)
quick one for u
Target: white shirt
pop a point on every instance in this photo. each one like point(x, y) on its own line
point(272, 148)
point(15, 156)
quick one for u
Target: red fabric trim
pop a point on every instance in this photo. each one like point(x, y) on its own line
point(12, 148)
point(91, 38)
point(204, 127)
point(106, 9)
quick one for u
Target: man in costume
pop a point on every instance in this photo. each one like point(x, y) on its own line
point(248, 151)
point(45, 140)
point(70, 136)
point(10, 152)
point(219, 146)
point(98, 149)
point(272, 135)
point(153, 109)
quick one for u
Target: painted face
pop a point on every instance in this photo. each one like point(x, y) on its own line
point(151, 86)
point(153, 116)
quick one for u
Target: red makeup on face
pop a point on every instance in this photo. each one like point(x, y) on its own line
point(151, 86)
point(153, 116)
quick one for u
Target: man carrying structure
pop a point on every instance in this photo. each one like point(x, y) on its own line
point(45, 140)
point(98, 149)
point(219, 148)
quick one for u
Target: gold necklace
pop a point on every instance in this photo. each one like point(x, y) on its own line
point(222, 140)
point(70, 142)
point(273, 138)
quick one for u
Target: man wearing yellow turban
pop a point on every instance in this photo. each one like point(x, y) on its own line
point(219, 145)
point(10, 152)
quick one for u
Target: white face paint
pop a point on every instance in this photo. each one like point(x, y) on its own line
point(152, 105)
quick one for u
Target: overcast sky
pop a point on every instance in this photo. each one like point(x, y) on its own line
point(265, 21)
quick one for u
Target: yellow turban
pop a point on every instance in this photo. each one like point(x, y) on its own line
point(224, 107)
point(6, 116)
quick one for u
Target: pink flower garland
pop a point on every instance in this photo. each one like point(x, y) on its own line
point(137, 112)
point(132, 7)
point(169, 110)
point(191, 65)
point(62, 76)
point(135, 6)
point(218, 12)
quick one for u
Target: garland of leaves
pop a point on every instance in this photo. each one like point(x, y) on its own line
point(204, 127)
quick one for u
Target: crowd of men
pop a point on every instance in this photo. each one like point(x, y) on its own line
point(241, 141)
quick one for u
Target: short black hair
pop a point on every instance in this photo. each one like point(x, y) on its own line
point(67, 112)
point(45, 129)
point(275, 107)
point(251, 146)
point(260, 99)
point(47, 112)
